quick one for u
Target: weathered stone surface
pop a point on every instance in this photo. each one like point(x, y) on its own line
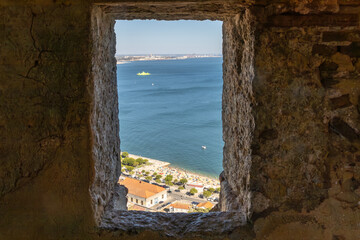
point(343, 61)
point(340, 127)
point(104, 112)
point(340, 102)
point(353, 50)
point(333, 20)
point(343, 36)
point(214, 225)
point(328, 70)
point(285, 83)
point(323, 50)
point(238, 122)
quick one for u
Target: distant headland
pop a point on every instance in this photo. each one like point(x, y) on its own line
point(156, 57)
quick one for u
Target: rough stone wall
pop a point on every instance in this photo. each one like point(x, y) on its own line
point(104, 112)
point(301, 147)
point(45, 168)
point(238, 122)
point(305, 165)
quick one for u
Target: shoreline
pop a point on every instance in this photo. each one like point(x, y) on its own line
point(118, 62)
point(163, 167)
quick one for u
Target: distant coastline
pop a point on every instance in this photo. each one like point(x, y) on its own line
point(136, 58)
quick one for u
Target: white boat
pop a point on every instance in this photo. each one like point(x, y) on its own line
point(203, 147)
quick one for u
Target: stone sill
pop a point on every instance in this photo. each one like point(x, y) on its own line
point(214, 224)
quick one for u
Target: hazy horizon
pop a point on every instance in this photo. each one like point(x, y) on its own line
point(166, 54)
point(184, 37)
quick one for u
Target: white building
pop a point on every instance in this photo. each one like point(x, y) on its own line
point(142, 193)
point(198, 187)
point(177, 207)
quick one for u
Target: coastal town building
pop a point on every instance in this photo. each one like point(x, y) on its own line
point(198, 187)
point(135, 207)
point(205, 205)
point(142, 193)
point(178, 207)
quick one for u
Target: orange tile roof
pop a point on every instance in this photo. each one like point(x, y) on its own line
point(180, 205)
point(140, 188)
point(136, 208)
point(205, 205)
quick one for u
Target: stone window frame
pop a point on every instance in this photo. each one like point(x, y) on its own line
point(238, 73)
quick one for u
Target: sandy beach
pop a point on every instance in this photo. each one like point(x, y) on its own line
point(164, 168)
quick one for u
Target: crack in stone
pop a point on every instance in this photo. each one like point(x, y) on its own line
point(39, 50)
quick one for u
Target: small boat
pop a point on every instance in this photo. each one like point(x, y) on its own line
point(143, 74)
point(152, 84)
point(203, 147)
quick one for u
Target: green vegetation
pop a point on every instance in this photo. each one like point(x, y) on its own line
point(131, 172)
point(181, 188)
point(199, 210)
point(149, 178)
point(158, 177)
point(211, 190)
point(140, 161)
point(147, 173)
point(128, 161)
point(157, 180)
point(129, 168)
point(206, 194)
point(193, 191)
point(217, 189)
point(154, 174)
point(183, 180)
point(169, 183)
point(168, 178)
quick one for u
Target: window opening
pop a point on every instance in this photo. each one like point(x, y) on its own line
point(170, 112)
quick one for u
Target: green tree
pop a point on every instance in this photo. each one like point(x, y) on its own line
point(183, 180)
point(193, 191)
point(129, 168)
point(154, 174)
point(217, 189)
point(158, 176)
point(211, 190)
point(128, 161)
point(147, 173)
point(168, 178)
point(169, 183)
point(202, 210)
point(206, 194)
point(124, 154)
point(124, 161)
point(158, 180)
point(181, 188)
point(148, 178)
point(143, 171)
point(140, 161)
point(132, 161)
point(131, 172)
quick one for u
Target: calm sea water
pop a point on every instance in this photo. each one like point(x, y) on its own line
point(170, 114)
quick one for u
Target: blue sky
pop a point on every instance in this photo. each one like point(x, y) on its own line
point(168, 37)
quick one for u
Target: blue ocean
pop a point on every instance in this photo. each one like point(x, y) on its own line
point(170, 114)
